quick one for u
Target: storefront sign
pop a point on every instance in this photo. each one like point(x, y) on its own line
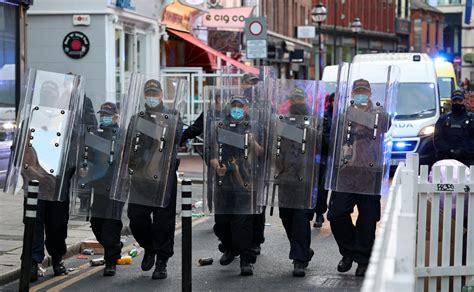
point(225, 41)
point(297, 56)
point(124, 4)
point(76, 45)
point(81, 20)
point(225, 18)
point(180, 17)
point(306, 32)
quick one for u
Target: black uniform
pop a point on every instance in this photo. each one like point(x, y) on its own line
point(235, 231)
point(153, 227)
point(295, 221)
point(454, 137)
point(363, 170)
point(195, 130)
point(105, 213)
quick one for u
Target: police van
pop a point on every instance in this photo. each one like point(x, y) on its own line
point(417, 105)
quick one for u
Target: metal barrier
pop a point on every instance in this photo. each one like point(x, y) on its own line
point(426, 239)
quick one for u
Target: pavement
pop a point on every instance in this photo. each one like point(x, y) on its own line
point(273, 270)
point(11, 224)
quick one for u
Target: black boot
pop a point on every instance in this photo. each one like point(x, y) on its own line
point(228, 257)
point(58, 267)
point(160, 270)
point(361, 269)
point(34, 272)
point(110, 268)
point(345, 264)
point(318, 223)
point(298, 268)
point(246, 268)
point(148, 260)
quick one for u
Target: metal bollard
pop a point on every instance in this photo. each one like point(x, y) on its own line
point(186, 249)
point(30, 220)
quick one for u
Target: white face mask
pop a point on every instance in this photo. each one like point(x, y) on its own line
point(152, 101)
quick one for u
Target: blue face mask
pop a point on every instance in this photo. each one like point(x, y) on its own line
point(237, 113)
point(152, 101)
point(360, 98)
point(106, 121)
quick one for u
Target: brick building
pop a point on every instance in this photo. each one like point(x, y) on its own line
point(290, 55)
point(427, 28)
point(377, 33)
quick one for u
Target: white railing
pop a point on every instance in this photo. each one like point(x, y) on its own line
point(418, 248)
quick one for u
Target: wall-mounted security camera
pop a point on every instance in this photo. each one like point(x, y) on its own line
point(166, 37)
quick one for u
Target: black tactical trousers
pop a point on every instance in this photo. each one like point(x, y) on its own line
point(235, 231)
point(259, 228)
point(354, 241)
point(298, 230)
point(154, 227)
point(108, 231)
point(51, 220)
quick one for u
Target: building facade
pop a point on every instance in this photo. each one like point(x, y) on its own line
point(377, 34)
point(427, 28)
point(291, 56)
point(121, 37)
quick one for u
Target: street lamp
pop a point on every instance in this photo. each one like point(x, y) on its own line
point(318, 15)
point(356, 27)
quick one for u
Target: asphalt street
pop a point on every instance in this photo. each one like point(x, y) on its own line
point(273, 270)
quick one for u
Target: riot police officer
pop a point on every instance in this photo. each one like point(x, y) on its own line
point(153, 227)
point(295, 221)
point(454, 132)
point(361, 148)
point(106, 214)
point(233, 226)
point(52, 216)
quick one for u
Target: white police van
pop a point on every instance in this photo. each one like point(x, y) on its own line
point(417, 105)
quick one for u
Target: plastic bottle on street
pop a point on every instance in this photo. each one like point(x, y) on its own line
point(133, 252)
point(125, 260)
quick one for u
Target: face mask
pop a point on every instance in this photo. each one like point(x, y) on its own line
point(152, 101)
point(106, 121)
point(237, 113)
point(458, 109)
point(360, 99)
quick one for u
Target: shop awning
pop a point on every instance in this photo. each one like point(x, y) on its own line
point(198, 43)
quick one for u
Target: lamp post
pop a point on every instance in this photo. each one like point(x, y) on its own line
point(318, 15)
point(356, 27)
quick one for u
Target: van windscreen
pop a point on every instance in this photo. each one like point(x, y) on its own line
point(415, 101)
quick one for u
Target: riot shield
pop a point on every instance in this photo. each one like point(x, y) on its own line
point(42, 142)
point(294, 146)
point(101, 137)
point(147, 171)
point(361, 133)
point(234, 148)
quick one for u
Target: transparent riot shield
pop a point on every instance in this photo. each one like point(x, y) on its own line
point(294, 146)
point(361, 134)
point(234, 148)
point(147, 172)
point(101, 137)
point(42, 144)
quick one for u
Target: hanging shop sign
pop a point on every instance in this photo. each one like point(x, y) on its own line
point(76, 45)
point(226, 18)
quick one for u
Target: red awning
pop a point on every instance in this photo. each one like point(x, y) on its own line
point(198, 43)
